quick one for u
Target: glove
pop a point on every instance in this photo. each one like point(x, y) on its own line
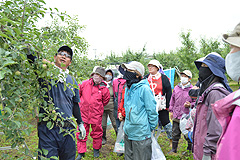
point(205, 157)
point(82, 130)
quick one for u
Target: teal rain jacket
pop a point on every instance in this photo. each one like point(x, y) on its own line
point(141, 115)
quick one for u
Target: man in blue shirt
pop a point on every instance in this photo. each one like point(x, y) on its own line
point(64, 98)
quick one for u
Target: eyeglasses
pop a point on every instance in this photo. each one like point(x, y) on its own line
point(150, 66)
point(64, 54)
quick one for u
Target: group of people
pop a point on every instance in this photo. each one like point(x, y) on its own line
point(144, 102)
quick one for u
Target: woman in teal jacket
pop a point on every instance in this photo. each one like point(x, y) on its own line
point(141, 115)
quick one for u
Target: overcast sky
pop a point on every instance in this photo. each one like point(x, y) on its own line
point(115, 26)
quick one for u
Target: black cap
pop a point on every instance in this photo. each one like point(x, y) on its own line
point(66, 48)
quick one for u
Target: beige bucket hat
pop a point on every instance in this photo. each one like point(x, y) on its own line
point(234, 37)
point(187, 73)
point(134, 65)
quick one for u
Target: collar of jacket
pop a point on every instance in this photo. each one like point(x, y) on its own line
point(186, 86)
point(157, 76)
point(139, 84)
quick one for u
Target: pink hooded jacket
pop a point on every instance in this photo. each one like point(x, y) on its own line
point(207, 129)
point(227, 112)
point(93, 98)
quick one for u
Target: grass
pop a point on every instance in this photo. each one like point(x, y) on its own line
point(106, 152)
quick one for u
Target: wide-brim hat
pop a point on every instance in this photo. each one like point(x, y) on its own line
point(135, 66)
point(215, 63)
point(234, 37)
point(99, 70)
point(66, 48)
point(187, 73)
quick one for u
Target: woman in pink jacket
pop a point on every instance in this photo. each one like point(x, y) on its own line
point(94, 95)
point(227, 110)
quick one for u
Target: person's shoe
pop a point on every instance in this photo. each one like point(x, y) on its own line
point(174, 148)
point(104, 141)
point(80, 155)
point(172, 152)
point(95, 152)
point(189, 149)
point(187, 152)
point(119, 154)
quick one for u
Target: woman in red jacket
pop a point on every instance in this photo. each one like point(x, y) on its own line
point(94, 95)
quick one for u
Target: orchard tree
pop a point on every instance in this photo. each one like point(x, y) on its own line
point(187, 53)
point(21, 93)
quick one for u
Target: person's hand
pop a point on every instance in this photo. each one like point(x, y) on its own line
point(82, 130)
point(47, 61)
point(120, 117)
point(187, 104)
point(171, 115)
point(195, 87)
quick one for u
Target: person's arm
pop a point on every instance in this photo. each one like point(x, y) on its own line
point(149, 102)
point(114, 88)
point(167, 88)
point(172, 102)
point(77, 113)
point(171, 105)
point(106, 96)
point(214, 128)
point(121, 109)
point(75, 109)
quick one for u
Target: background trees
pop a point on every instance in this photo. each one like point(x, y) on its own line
point(20, 36)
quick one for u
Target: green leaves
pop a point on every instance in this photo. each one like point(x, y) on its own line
point(50, 125)
point(2, 74)
point(3, 20)
point(7, 62)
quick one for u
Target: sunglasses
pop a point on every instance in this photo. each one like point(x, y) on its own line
point(64, 54)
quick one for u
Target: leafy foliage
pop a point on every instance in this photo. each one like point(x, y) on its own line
point(21, 93)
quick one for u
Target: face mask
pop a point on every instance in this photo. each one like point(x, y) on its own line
point(97, 79)
point(232, 63)
point(108, 77)
point(204, 73)
point(131, 77)
point(205, 78)
point(184, 80)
